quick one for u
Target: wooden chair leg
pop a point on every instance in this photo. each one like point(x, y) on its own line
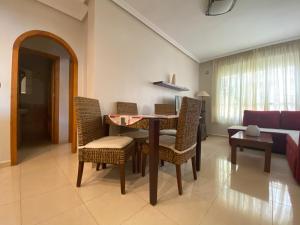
point(144, 159)
point(139, 161)
point(179, 183)
point(103, 165)
point(122, 178)
point(138, 153)
point(98, 166)
point(162, 162)
point(134, 162)
point(194, 167)
point(80, 171)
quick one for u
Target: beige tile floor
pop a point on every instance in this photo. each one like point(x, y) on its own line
point(41, 190)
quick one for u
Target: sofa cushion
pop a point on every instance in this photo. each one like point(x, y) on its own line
point(294, 134)
point(278, 135)
point(266, 119)
point(290, 120)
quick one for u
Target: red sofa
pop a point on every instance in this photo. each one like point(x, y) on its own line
point(284, 127)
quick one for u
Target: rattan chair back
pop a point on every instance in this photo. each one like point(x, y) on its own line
point(128, 108)
point(165, 109)
point(88, 119)
point(188, 122)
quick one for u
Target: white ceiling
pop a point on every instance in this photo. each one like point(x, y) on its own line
point(252, 23)
point(74, 8)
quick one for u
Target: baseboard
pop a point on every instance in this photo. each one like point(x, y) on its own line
point(4, 164)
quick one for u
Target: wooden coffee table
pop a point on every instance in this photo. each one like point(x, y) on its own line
point(264, 142)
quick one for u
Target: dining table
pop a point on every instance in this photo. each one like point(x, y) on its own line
point(153, 123)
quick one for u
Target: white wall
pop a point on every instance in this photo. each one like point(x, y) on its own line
point(123, 56)
point(17, 17)
point(90, 45)
point(129, 57)
point(51, 47)
point(64, 100)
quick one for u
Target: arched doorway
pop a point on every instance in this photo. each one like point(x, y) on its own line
point(73, 89)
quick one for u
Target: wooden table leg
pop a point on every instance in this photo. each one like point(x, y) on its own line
point(106, 133)
point(106, 129)
point(233, 153)
point(138, 156)
point(153, 159)
point(268, 153)
point(198, 149)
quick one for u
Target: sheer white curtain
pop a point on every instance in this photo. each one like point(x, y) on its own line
point(263, 79)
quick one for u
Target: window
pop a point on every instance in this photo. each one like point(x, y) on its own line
point(263, 79)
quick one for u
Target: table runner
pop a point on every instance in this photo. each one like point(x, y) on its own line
point(126, 120)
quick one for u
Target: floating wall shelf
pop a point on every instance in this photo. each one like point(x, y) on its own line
point(170, 86)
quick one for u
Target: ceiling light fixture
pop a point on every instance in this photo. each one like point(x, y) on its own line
point(219, 7)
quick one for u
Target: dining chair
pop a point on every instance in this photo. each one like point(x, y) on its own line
point(182, 147)
point(128, 108)
point(93, 145)
point(139, 135)
point(166, 109)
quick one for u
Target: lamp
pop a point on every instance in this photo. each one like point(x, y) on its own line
point(202, 94)
point(219, 7)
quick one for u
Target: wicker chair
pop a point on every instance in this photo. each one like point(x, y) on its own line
point(93, 146)
point(166, 109)
point(139, 135)
point(128, 108)
point(179, 149)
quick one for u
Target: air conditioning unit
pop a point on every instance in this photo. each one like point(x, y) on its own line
point(219, 7)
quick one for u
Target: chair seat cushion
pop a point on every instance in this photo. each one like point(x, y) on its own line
point(137, 134)
point(167, 151)
point(114, 142)
point(167, 141)
point(168, 132)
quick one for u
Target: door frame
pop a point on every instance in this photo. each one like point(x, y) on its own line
point(55, 74)
point(73, 89)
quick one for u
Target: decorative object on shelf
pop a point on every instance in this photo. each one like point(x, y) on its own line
point(170, 86)
point(174, 79)
point(203, 94)
point(253, 130)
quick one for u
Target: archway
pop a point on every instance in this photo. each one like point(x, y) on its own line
point(73, 89)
